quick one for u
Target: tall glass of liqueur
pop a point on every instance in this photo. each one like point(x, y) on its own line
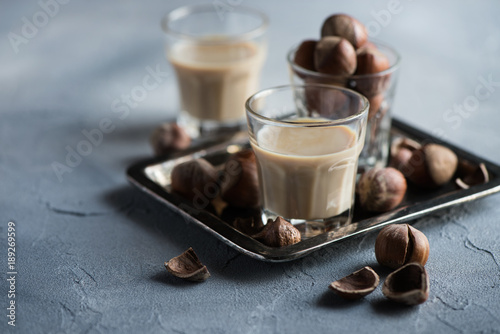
point(307, 140)
point(217, 57)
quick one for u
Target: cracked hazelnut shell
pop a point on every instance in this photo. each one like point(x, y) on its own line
point(347, 27)
point(335, 56)
point(407, 285)
point(381, 189)
point(188, 266)
point(169, 137)
point(240, 182)
point(475, 176)
point(356, 285)
point(431, 166)
point(399, 244)
point(194, 177)
point(278, 233)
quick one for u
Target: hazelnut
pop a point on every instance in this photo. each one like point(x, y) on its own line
point(431, 166)
point(478, 175)
point(278, 233)
point(401, 151)
point(328, 103)
point(304, 56)
point(399, 244)
point(370, 61)
point(368, 44)
point(368, 79)
point(408, 285)
point(188, 266)
point(375, 106)
point(193, 178)
point(356, 285)
point(335, 55)
point(169, 137)
point(381, 189)
point(347, 27)
point(239, 181)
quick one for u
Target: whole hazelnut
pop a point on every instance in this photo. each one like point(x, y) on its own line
point(368, 79)
point(194, 177)
point(407, 285)
point(381, 189)
point(368, 44)
point(375, 106)
point(328, 103)
point(239, 182)
point(169, 137)
point(401, 151)
point(431, 166)
point(304, 56)
point(399, 244)
point(370, 60)
point(347, 27)
point(278, 233)
point(335, 55)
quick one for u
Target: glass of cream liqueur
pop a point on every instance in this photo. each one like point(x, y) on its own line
point(307, 140)
point(217, 55)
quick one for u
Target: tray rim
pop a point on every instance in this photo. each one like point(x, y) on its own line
point(243, 243)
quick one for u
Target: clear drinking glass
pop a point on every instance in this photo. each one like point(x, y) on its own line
point(379, 88)
point(307, 140)
point(217, 56)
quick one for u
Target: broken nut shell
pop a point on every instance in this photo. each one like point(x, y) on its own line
point(356, 285)
point(188, 266)
point(477, 176)
point(408, 285)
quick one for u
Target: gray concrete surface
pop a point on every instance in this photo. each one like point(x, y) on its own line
point(90, 248)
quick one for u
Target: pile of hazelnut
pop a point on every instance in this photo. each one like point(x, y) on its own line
point(401, 247)
point(344, 51)
point(236, 183)
point(428, 166)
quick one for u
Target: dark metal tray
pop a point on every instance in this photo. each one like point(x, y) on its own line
point(153, 177)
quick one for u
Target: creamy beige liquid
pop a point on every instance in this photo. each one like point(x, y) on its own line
point(307, 173)
point(215, 80)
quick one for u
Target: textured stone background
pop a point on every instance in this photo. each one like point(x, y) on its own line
point(90, 249)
